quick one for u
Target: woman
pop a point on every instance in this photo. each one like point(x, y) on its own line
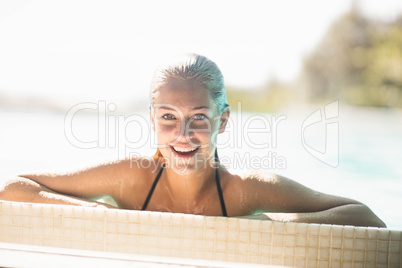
point(188, 110)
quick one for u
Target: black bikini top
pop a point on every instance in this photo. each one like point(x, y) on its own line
point(218, 185)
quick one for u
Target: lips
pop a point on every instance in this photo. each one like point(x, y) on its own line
point(184, 151)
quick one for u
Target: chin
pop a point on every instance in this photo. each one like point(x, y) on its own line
point(185, 166)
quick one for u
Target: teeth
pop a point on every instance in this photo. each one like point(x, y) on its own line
point(184, 150)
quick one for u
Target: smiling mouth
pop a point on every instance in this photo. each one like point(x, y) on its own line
point(189, 151)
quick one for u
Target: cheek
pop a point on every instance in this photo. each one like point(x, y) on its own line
point(164, 131)
point(205, 130)
point(166, 128)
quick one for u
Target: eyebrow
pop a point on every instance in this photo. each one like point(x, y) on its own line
point(200, 107)
point(172, 109)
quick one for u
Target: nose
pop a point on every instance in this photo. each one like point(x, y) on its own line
point(184, 130)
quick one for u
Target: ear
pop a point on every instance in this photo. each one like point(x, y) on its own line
point(151, 114)
point(224, 119)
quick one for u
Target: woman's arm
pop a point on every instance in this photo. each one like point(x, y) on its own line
point(76, 188)
point(353, 214)
point(25, 190)
point(282, 199)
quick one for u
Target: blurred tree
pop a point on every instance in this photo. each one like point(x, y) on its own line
point(358, 61)
point(383, 76)
point(269, 98)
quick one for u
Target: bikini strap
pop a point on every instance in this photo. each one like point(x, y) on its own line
point(218, 185)
point(144, 207)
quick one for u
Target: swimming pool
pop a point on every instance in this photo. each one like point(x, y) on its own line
point(369, 148)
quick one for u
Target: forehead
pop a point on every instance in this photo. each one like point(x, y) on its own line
point(184, 94)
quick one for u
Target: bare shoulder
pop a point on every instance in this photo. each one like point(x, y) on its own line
point(244, 189)
point(135, 179)
point(129, 167)
point(255, 178)
point(142, 167)
point(272, 192)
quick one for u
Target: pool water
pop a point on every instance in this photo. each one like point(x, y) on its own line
point(355, 154)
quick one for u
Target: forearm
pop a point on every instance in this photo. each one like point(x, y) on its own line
point(53, 182)
point(25, 190)
point(353, 214)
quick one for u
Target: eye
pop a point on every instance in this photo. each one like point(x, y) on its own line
point(168, 117)
point(199, 117)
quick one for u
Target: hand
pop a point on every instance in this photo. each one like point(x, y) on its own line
point(104, 205)
point(261, 216)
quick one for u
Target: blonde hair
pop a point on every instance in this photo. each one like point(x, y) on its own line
point(191, 67)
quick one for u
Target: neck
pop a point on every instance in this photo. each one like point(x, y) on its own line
point(189, 188)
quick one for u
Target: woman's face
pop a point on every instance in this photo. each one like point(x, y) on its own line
point(186, 121)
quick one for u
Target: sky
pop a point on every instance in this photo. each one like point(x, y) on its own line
point(107, 50)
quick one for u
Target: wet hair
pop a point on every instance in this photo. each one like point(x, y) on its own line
point(192, 67)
